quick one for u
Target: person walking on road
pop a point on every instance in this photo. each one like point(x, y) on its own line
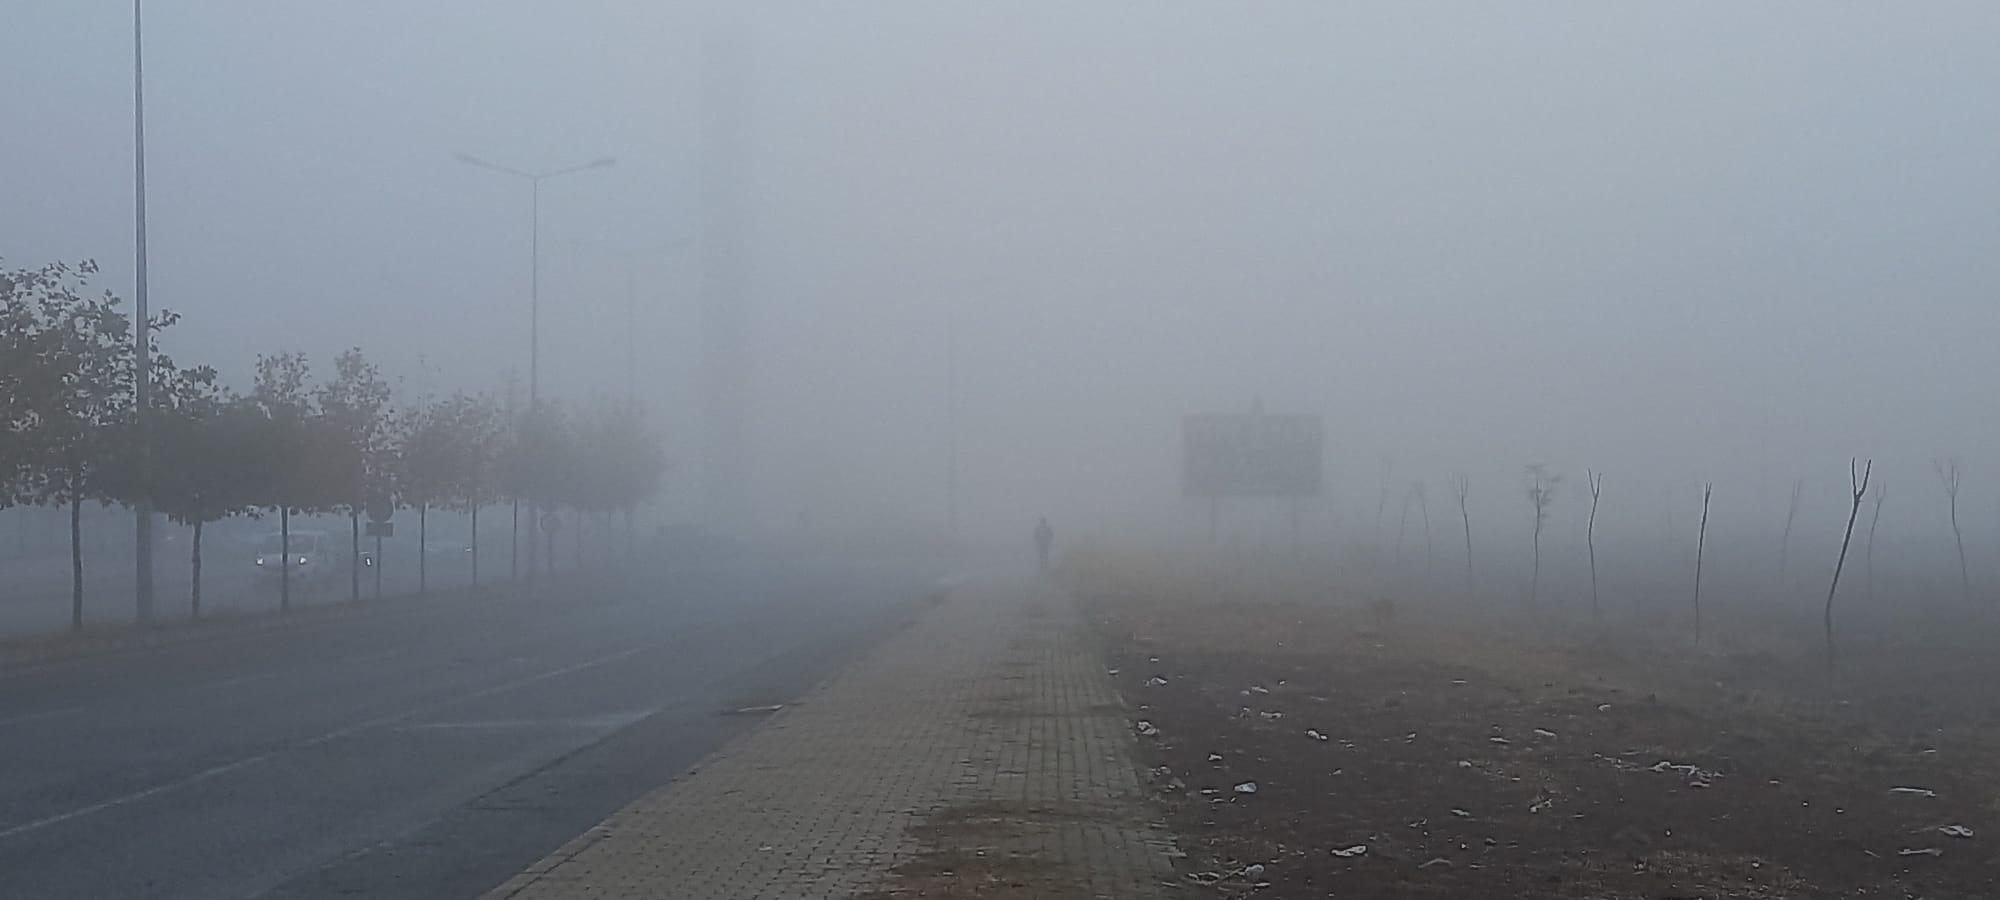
point(1045, 538)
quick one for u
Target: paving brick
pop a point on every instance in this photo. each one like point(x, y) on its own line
point(983, 743)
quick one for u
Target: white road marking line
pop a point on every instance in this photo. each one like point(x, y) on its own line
point(44, 714)
point(226, 768)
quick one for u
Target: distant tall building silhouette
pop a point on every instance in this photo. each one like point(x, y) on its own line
point(726, 354)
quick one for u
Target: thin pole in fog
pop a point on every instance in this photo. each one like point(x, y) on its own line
point(142, 506)
point(1700, 545)
point(1785, 543)
point(951, 423)
point(534, 180)
point(1860, 486)
point(1881, 491)
point(1596, 480)
point(1947, 471)
point(1462, 486)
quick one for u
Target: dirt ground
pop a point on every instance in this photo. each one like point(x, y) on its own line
point(1304, 746)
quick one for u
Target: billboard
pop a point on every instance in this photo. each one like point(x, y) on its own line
point(1253, 454)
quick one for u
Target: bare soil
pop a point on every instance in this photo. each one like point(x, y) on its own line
point(1508, 758)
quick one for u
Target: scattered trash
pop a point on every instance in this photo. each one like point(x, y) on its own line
point(757, 710)
point(1543, 732)
point(1351, 852)
point(1957, 831)
point(1438, 861)
point(1928, 751)
point(1410, 737)
point(1458, 681)
point(1271, 715)
point(1499, 740)
point(1926, 851)
point(1336, 771)
point(1248, 787)
point(1603, 707)
point(1697, 777)
point(1215, 757)
point(1465, 764)
point(1913, 791)
point(1259, 689)
point(1205, 878)
point(1315, 735)
point(1541, 803)
point(1253, 870)
point(1156, 681)
point(1163, 771)
point(1110, 671)
point(1146, 729)
point(1460, 813)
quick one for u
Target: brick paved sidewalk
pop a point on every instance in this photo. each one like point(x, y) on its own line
point(979, 753)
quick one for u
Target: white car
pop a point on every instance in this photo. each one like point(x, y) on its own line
point(311, 557)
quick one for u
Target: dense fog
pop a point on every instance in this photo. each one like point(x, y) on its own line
point(1673, 243)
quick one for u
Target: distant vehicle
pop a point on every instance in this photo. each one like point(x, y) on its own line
point(311, 557)
point(446, 555)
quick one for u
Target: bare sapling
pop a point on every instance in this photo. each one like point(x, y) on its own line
point(1596, 480)
point(1875, 519)
point(1541, 492)
point(1785, 543)
point(1859, 484)
point(1381, 506)
point(1947, 471)
point(1700, 544)
point(1403, 523)
point(1462, 486)
point(1424, 510)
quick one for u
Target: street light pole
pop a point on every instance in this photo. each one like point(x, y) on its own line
point(534, 180)
point(629, 258)
point(142, 360)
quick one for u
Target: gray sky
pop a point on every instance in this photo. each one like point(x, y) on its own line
point(1678, 242)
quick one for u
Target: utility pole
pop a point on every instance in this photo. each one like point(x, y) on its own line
point(142, 507)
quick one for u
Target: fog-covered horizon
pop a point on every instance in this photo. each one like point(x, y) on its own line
point(1677, 244)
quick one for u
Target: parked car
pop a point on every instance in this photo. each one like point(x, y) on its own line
point(311, 558)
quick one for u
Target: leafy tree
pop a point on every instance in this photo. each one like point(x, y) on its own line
point(75, 396)
point(355, 420)
point(289, 476)
point(206, 466)
point(442, 446)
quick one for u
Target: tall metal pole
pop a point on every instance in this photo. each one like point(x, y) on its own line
point(951, 427)
point(534, 344)
point(142, 507)
point(631, 342)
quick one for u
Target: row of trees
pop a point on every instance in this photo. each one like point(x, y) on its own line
point(290, 444)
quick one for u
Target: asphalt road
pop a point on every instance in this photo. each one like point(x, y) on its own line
point(425, 749)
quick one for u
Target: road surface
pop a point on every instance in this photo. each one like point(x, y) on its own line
point(420, 750)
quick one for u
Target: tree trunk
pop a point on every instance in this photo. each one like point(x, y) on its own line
point(1535, 578)
point(423, 549)
point(514, 545)
point(354, 559)
point(475, 543)
point(284, 558)
point(194, 560)
point(579, 542)
point(1700, 545)
point(378, 565)
point(75, 561)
